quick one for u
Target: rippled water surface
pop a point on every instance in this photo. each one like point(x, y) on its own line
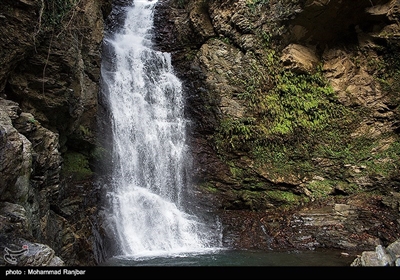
point(240, 258)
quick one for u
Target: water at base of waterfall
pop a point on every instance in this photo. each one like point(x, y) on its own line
point(239, 258)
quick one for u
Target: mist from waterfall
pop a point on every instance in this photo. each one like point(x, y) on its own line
point(150, 155)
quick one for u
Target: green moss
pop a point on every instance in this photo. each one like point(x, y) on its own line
point(236, 172)
point(339, 146)
point(76, 165)
point(384, 163)
point(389, 76)
point(256, 200)
point(33, 121)
point(233, 133)
point(209, 187)
point(284, 113)
point(285, 198)
point(281, 104)
point(376, 158)
point(294, 126)
point(300, 101)
point(84, 131)
point(282, 160)
point(282, 10)
point(190, 54)
point(321, 189)
point(98, 153)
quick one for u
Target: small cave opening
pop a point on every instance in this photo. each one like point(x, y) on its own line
point(336, 22)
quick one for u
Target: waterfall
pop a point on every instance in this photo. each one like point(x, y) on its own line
point(149, 151)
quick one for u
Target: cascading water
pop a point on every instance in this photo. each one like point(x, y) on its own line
point(149, 157)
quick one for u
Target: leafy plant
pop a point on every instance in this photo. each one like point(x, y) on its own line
point(77, 165)
point(56, 10)
point(300, 101)
point(233, 133)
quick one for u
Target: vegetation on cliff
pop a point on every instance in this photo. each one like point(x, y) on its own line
point(296, 106)
point(293, 122)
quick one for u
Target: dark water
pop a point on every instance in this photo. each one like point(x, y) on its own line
point(240, 258)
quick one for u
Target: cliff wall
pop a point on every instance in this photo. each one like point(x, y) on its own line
point(49, 81)
point(295, 109)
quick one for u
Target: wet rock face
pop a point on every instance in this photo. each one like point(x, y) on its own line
point(58, 81)
point(11, 147)
point(14, 50)
point(351, 226)
point(49, 81)
point(17, 249)
point(31, 164)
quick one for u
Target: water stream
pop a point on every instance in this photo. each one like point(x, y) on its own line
point(150, 155)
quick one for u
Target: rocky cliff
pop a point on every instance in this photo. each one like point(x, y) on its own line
point(49, 81)
point(295, 109)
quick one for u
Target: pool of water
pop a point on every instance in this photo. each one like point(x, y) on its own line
point(239, 258)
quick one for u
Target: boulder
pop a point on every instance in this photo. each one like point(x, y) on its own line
point(389, 256)
point(299, 58)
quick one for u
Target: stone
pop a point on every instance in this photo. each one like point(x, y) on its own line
point(370, 258)
point(385, 258)
point(11, 148)
point(299, 58)
point(39, 255)
point(394, 248)
point(344, 209)
point(380, 257)
point(200, 20)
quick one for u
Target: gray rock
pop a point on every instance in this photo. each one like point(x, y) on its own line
point(380, 257)
point(383, 256)
point(370, 258)
point(25, 253)
point(14, 231)
point(394, 248)
point(40, 255)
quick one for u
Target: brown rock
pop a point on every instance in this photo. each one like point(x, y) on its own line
point(299, 59)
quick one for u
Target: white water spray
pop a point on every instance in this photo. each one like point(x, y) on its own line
point(149, 144)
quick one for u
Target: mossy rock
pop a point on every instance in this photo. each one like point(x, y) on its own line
point(76, 165)
point(285, 198)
